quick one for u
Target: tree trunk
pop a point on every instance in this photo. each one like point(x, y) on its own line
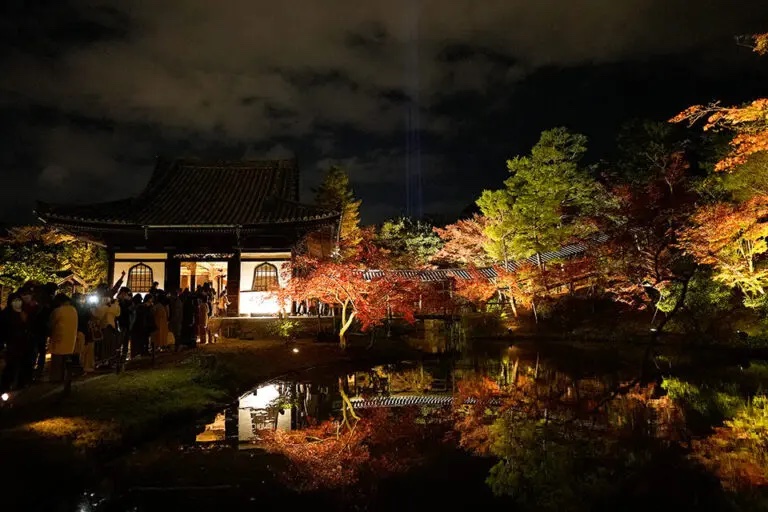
point(347, 410)
point(656, 333)
point(345, 324)
point(515, 369)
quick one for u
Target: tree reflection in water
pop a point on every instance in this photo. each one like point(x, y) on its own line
point(559, 441)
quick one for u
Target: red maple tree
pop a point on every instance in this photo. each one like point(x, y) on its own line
point(642, 250)
point(367, 297)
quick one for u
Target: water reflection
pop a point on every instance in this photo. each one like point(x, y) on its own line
point(557, 427)
point(294, 404)
point(313, 397)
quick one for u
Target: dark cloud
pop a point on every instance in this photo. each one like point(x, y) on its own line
point(94, 89)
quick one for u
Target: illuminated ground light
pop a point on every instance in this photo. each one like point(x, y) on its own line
point(5, 397)
point(295, 350)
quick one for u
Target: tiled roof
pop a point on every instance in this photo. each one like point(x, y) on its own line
point(195, 193)
point(568, 251)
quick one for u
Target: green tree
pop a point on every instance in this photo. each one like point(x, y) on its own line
point(645, 150)
point(29, 261)
point(410, 243)
point(549, 198)
point(36, 253)
point(706, 308)
point(335, 193)
point(87, 260)
point(496, 206)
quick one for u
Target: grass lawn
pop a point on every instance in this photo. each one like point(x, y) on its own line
point(113, 409)
point(65, 442)
point(104, 410)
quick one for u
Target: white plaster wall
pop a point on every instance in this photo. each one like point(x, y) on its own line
point(262, 303)
point(158, 270)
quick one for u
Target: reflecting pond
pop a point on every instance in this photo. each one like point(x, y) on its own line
point(539, 427)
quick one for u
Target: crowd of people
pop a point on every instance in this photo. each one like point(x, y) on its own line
point(106, 327)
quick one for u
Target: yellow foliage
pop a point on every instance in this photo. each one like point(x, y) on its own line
point(750, 122)
point(82, 432)
point(761, 43)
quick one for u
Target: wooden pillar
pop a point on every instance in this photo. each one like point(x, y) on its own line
point(233, 285)
point(172, 273)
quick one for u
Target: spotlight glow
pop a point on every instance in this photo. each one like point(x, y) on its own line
point(5, 397)
point(295, 350)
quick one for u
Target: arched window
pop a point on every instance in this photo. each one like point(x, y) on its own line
point(140, 278)
point(265, 278)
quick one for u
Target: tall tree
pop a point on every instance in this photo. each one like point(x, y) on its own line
point(730, 235)
point(548, 199)
point(410, 243)
point(336, 193)
point(642, 255)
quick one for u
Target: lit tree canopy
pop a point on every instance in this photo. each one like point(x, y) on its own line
point(410, 243)
point(749, 122)
point(548, 199)
point(732, 239)
point(463, 243)
point(499, 227)
point(335, 193)
point(36, 253)
point(761, 43)
point(342, 283)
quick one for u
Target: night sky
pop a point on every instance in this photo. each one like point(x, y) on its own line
point(92, 91)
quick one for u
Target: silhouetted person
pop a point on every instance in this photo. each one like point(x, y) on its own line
point(124, 320)
point(143, 325)
point(15, 333)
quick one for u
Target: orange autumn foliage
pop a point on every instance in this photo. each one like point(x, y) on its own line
point(464, 242)
point(748, 121)
point(474, 397)
point(477, 290)
point(761, 43)
point(732, 238)
point(329, 456)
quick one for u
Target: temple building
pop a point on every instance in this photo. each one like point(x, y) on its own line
point(234, 224)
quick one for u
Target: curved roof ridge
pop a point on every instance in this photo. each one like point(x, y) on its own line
point(196, 192)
